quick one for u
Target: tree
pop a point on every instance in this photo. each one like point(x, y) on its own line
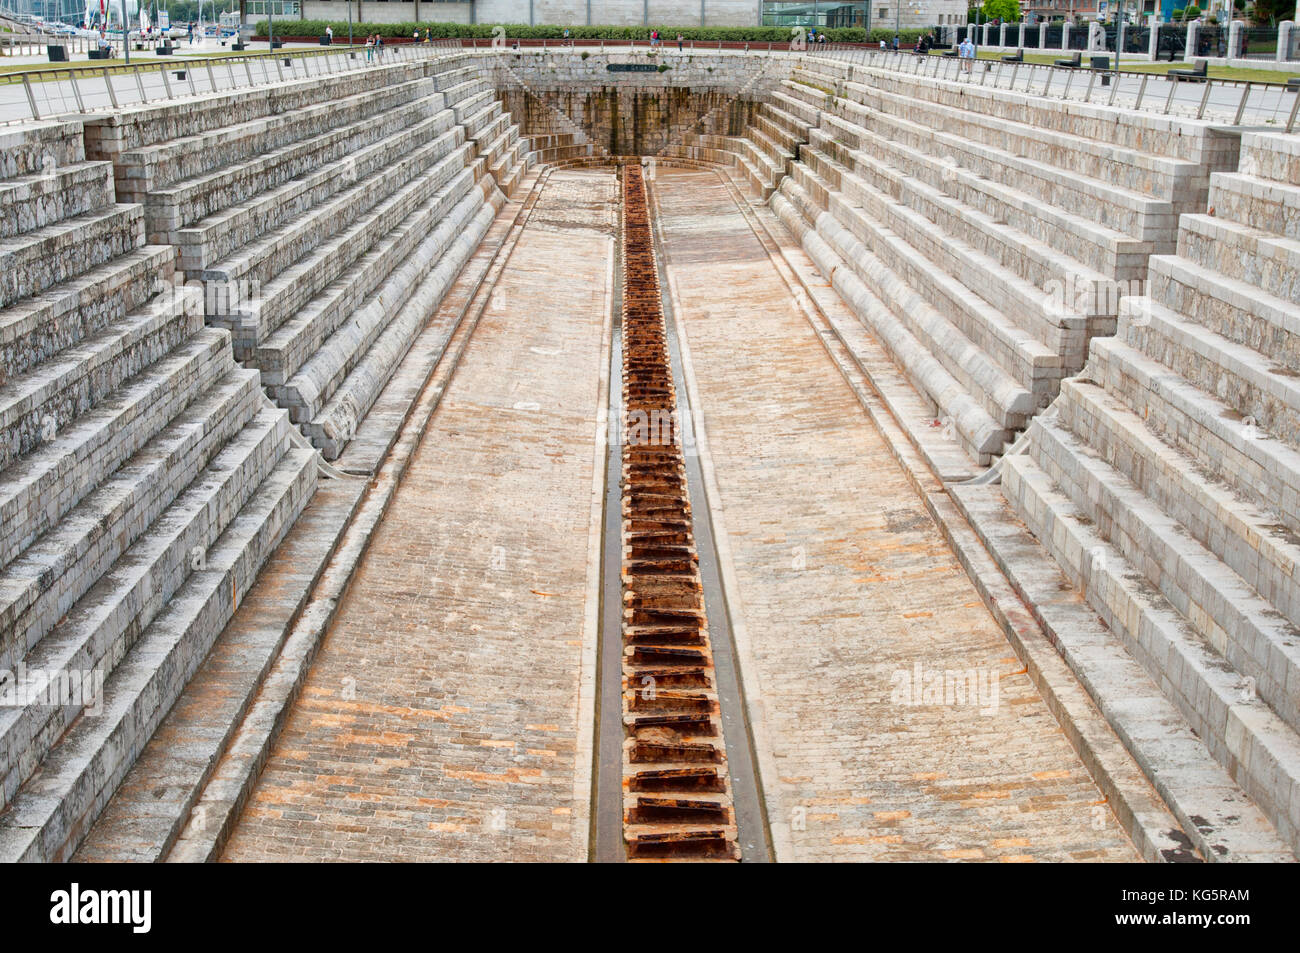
point(1005, 11)
point(1271, 11)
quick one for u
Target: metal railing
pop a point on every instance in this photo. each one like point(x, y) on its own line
point(1232, 101)
point(50, 92)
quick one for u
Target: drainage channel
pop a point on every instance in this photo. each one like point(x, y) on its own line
point(675, 778)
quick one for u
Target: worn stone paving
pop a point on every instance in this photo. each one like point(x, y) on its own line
point(441, 720)
point(853, 604)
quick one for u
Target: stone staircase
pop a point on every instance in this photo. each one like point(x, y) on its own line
point(984, 239)
point(324, 228)
point(143, 482)
point(1165, 485)
point(558, 147)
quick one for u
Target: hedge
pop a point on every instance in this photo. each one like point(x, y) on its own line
point(520, 31)
point(904, 36)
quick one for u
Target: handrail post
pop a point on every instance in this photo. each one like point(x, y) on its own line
point(31, 97)
point(1205, 98)
point(108, 82)
point(76, 90)
point(1241, 107)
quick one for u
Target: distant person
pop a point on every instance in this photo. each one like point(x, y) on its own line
point(329, 33)
point(190, 36)
point(370, 47)
point(895, 42)
point(680, 38)
point(379, 46)
point(966, 53)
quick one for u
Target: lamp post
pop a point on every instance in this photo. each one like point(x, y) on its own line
point(126, 35)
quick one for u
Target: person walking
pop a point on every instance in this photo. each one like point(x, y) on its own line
point(329, 34)
point(370, 47)
point(680, 38)
point(379, 47)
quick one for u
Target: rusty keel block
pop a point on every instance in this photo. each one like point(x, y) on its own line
point(677, 796)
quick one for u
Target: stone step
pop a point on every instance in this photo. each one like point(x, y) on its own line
point(698, 153)
point(28, 148)
point(1252, 200)
point(333, 426)
point(150, 807)
point(553, 141)
point(254, 240)
point(773, 148)
point(509, 170)
point(1228, 613)
point(783, 126)
point(34, 329)
point(450, 76)
point(960, 282)
point(1024, 255)
point(782, 140)
point(786, 102)
point(1263, 259)
point(1215, 814)
point(971, 425)
point(36, 404)
point(495, 139)
point(1178, 137)
point(755, 175)
point(1260, 751)
point(54, 810)
point(484, 122)
point(554, 154)
point(307, 392)
point(1104, 250)
point(120, 591)
point(169, 210)
point(1252, 384)
point(39, 488)
point(1005, 400)
point(1258, 467)
point(1230, 307)
point(772, 166)
point(250, 242)
point(284, 351)
point(166, 164)
point(1146, 219)
point(468, 98)
point(283, 297)
point(1246, 537)
point(43, 583)
point(33, 201)
point(1138, 170)
point(42, 258)
point(1270, 155)
point(135, 126)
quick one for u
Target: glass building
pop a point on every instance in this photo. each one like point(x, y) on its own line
point(818, 13)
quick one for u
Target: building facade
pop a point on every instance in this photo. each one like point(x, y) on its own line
point(815, 13)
